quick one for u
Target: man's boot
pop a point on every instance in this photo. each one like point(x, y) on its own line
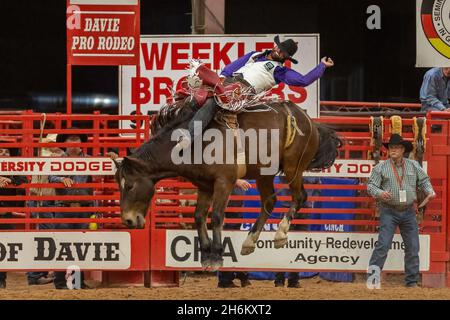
point(211, 79)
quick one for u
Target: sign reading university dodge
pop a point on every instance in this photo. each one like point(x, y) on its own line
point(103, 32)
point(56, 166)
point(433, 35)
point(50, 250)
point(304, 250)
point(105, 166)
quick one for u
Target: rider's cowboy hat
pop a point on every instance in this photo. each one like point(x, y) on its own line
point(289, 47)
point(62, 137)
point(398, 140)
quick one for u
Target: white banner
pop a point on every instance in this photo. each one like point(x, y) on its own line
point(164, 60)
point(56, 166)
point(59, 250)
point(432, 32)
point(304, 250)
point(349, 169)
point(105, 166)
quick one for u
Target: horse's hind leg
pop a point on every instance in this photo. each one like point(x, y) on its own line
point(298, 194)
point(201, 211)
point(222, 191)
point(268, 200)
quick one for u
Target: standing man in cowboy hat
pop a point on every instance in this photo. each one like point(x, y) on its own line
point(70, 190)
point(258, 70)
point(393, 183)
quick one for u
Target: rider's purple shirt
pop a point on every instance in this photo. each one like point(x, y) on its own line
point(281, 74)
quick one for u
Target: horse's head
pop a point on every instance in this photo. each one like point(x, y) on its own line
point(137, 187)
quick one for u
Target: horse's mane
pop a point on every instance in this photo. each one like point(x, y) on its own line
point(167, 119)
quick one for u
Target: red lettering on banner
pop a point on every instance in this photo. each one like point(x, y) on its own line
point(11, 166)
point(180, 82)
point(352, 168)
point(107, 166)
point(154, 56)
point(81, 166)
point(277, 90)
point(41, 165)
point(55, 166)
point(177, 56)
point(241, 49)
point(365, 168)
point(338, 166)
point(158, 91)
point(140, 90)
point(196, 54)
point(68, 166)
point(221, 54)
point(297, 98)
point(261, 46)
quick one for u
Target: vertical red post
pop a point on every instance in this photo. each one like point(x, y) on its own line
point(69, 89)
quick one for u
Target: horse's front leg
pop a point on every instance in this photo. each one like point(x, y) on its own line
point(201, 212)
point(268, 200)
point(222, 190)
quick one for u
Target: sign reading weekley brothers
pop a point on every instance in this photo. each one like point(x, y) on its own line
point(304, 250)
point(50, 250)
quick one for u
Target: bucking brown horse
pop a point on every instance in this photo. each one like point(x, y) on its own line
point(290, 134)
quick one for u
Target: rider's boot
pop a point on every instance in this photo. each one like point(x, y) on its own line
point(210, 78)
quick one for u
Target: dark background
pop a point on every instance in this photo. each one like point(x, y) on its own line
point(371, 65)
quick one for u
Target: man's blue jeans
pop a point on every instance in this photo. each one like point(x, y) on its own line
point(406, 221)
point(36, 275)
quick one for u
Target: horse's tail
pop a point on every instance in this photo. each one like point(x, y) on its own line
point(327, 152)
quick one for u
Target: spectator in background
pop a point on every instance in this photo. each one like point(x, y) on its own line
point(4, 191)
point(226, 277)
point(393, 184)
point(43, 277)
point(434, 93)
point(69, 181)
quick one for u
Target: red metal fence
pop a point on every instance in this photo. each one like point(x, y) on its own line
point(171, 210)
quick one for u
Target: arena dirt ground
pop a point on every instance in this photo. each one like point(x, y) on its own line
point(204, 287)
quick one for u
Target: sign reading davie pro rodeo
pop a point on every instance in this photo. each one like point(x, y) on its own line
point(433, 35)
point(164, 60)
point(103, 32)
point(304, 250)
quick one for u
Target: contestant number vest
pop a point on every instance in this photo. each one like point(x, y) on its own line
point(259, 73)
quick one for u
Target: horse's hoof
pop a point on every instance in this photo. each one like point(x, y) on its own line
point(216, 262)
point(216, 267)
point(280, 240)
point(247, 250)
point(206, 266)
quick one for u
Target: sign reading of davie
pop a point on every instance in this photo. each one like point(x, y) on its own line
point(103, 32)
point(164, 60)
point(304, 251)
point(50, 250)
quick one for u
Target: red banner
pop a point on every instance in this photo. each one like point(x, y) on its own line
point(103, 32)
